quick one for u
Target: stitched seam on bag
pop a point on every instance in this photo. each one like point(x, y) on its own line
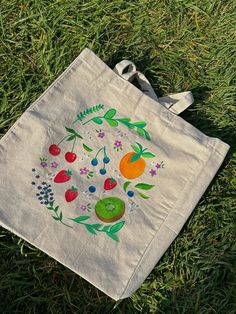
point(176, 205)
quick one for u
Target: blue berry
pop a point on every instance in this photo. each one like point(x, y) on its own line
point(46, 202)
point(41, 192)
point(49, 190)
point(39, 187)
point(106, 160)
point(43, 183)
point(41, 202)
point(103, 171)
point(51, 198)
point(94, 162)
point(37, 176)
point(130, 193)
point(51, 193)
point(33, 183)
point(40, 198)
point(37, 194)
point(92, 189)
point(33, 169)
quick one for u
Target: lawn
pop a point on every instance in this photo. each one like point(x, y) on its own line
point(179, 45)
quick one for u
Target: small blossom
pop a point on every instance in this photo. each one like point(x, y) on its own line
point(101, 134)
point(117, 143)
point(43, 164)
point(158, 166)
point(83, 207)
point(84, 171)
point(54, 164)
point(153, 172)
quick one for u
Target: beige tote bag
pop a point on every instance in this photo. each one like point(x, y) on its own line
point(101, 175)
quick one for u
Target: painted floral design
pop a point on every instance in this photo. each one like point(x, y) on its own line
point(94, 162)
point(118, 145)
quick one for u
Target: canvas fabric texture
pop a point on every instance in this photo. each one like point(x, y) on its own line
point(101, 175)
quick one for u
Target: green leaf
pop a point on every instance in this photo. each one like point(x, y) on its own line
point(97, 120)
point(106, 228)
point(135, 148)
point(135, 157)
point(140, 124)
point(60, 216)
point(87, 148)
point(141, 132)
point(56, 209)
point(56, 218)
point(110, 114)
point(148, 155)
point(80, 218)
point(70, 130)
point(112, 122)
point(90, 229)
point(116, 227)
point(147, 135)
point(125, 185)
point(113, 236)
point(96, 226)
point(144, 186)
point(71, 138)
point(143, 196)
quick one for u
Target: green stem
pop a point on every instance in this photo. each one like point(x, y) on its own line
point(62, 221)
point(73, 146)
point(92, 119)
point(62, 140)
point(99, 151)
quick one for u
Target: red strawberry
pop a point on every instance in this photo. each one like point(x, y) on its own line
point(63, 176)
point(109, 184)
point(71, 194)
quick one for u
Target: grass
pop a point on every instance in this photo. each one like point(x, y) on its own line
point(179, 45)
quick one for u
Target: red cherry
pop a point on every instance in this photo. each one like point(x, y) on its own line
point(70, 157)
point(54, 150)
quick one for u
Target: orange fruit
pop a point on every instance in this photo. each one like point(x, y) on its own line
point(131, 170)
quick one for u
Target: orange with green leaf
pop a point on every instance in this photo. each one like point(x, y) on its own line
point(133, 164)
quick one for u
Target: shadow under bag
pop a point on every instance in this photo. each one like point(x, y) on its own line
point(101, 175)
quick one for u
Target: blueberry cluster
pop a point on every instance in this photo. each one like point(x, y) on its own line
point(45, 193)
point(106, 160)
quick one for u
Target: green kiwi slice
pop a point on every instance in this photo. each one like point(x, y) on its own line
point(110, 209)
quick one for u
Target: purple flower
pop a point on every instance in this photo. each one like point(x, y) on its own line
point(83, 207)
point(153, 172)
point(101, 134)
point(117, 144)
point(84, 170)
point(158, 166)
point(54, 164)
point(43, 164)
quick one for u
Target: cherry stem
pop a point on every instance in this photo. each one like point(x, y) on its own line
point(103, 148)
point(62, 140)
point(73, 146)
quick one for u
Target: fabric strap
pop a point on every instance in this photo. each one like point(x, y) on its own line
point(176, 103)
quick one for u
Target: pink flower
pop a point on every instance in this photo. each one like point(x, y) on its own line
point(84, 171)
point(54, 164)
point(153, 172)
point(118, 144)
point(83, 207)
point(101, 134)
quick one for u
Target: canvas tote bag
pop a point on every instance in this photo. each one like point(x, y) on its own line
point(101, 175)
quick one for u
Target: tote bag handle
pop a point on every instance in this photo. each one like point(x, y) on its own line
point(176, 103)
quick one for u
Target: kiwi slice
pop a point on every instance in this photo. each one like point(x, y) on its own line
point(110, 209)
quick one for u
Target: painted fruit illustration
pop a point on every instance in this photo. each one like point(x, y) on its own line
point(110, 209)
point(109, 184)
point(132, 165)
point(70, 156)
point(54, 150)
point(71, 194)
point(63, 176)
